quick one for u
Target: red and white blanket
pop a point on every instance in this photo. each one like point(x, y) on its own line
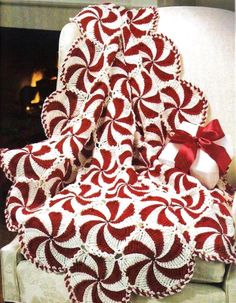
point(92, 200)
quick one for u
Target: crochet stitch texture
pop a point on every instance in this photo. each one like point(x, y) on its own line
point(92, 200)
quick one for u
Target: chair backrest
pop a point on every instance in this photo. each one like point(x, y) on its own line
point(205, 40)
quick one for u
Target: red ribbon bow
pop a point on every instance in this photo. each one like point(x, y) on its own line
point(203, 140)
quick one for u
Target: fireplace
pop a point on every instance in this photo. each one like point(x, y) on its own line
point(28, 60)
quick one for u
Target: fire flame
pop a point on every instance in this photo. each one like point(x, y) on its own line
point(37, 75)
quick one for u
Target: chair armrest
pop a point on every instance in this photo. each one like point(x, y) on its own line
point(68, 35)
point(229, 284)
point(230, 276)
point(10, 257)
point(234, 208)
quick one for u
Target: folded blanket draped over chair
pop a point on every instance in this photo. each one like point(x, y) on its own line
point(93, 200)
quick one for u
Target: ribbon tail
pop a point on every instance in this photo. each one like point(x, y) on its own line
point(220, 155)
point(185, 157)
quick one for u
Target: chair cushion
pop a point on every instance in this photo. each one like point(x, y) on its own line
point(192, 293)
point(37, 286)
point(208, 272)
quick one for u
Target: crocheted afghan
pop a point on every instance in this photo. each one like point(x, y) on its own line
point(92, 200)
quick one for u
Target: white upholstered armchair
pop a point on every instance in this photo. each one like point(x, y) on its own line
point(205, 39)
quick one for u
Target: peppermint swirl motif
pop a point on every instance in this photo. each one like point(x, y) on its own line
point(23, 200)
point(59, 109)
point(103, 170)
point(99, 22)
point(213, 235)
point(31, 161)
point(157, 261)
point(83, 66)
point(182, 102)
point(95, 279)
point(160, 58)
point(117, 122)
point(108, 225)
point(50, 240)
point(145, 99)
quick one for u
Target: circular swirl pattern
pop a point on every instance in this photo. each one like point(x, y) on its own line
point(119, 79)
point(179, 181)
point(149, 141)
point(160, 58)
point(157, 262)
point(83, 64)
point(59, 109)
point(23, 200)
point(72, 142)
point(214, 238)
point(50, 240)
point(95, 279)
point(130, 189)
point(31, 161)
point(117, 123)
point(94, 105)
point(63, 175)
point(140, 22)
point(99, 22)
point(182, 102)
point(146, 103)
point(103, 169)
point(108, 225)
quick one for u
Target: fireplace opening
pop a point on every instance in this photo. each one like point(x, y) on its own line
point(28, 60)
point(32, 97)
point(28, 75)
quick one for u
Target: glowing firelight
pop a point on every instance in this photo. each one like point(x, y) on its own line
point(37, 75)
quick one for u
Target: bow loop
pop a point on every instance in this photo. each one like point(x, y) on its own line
point(212, 131)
